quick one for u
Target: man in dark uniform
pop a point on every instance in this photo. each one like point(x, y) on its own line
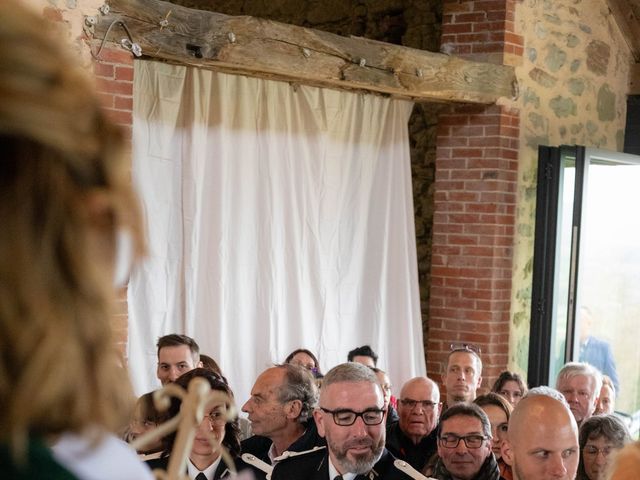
point(351, 419)
point(280, 411)
point(414, 438)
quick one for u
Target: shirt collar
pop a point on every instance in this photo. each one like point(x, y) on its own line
point(208, 472)
point(333, 472)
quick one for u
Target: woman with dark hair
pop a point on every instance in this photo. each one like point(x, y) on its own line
point(511, 386)
point(600, 436)
point(305, 358)
point(498, 409)
point(205, 458)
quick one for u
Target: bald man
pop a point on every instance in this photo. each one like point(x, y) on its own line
point(542, 440)
point(414, 437)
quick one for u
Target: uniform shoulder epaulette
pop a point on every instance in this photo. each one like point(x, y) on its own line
point(289, 453)
point(409, 470)
point(256, 462)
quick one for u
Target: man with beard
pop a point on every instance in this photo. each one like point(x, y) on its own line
point(414, 437)
point(542, 440)
point(462, 375)
point(351, 418)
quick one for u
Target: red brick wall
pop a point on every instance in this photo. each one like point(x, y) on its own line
point(114, 81)
point(475, 195)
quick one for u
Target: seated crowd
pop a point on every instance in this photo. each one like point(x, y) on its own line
point(346, 424)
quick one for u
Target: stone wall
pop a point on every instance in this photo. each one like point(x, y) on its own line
point(573, 85)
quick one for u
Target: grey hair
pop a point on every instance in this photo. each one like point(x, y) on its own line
point(299, 385)
point(573, 369)
point(546, 391)
point(349, 372)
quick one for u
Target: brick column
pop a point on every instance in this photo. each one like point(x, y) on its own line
point(475, 196)
point(114, 82)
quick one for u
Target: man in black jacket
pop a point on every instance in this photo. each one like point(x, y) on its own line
point(280, 411)
point(350, 417)
point(414, 437)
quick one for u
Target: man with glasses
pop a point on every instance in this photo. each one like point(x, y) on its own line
point(542, 440)
point(351, 418)
point(414, 437)
point(463, 373)
point(464, 445)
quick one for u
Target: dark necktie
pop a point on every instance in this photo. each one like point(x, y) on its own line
point(201, 476)
point(337, 477)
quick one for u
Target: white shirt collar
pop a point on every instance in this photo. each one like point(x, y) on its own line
point(208, 472)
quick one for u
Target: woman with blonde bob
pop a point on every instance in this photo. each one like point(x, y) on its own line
point(65, 198)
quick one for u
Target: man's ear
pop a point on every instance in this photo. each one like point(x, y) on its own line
point(293, 408)
point(507, 453)
point(479, 381)
point(199, 364)
point(318, 417)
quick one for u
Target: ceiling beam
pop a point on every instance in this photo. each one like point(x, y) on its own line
point(267, 49)
point(629, 24)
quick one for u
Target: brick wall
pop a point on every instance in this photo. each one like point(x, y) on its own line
point(114, 81)
point(475, 195)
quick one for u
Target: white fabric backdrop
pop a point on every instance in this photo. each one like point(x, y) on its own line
point(278, 217)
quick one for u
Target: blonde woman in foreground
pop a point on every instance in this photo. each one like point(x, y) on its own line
point(626, 464)
point(65, 200)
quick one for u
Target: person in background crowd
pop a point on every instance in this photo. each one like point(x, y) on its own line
point(511, 386)
point(594, 350)
point(498, 410)
point(145, 418)
point(280, 411)
point(464, 445)
point(462, 375)
point(389, 400)
point(351, 418)
point(414, 437)
point(305, 358)
point(542, 439)
point(580, 383)
point(600, 437)
point(204, 459)
point(70, 230)
point(364, 355)
point(177, 354)
point(607, 398)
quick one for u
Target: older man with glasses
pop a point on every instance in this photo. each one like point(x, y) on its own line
point(414, 437)
point(351, 418)
point(464, 445)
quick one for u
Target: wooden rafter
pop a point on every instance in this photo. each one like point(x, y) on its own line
point(268, 49)
point(627, 15)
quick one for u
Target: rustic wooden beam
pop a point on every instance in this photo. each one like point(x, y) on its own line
point(268, 49)
point(624, 11)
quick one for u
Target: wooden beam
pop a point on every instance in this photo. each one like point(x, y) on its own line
point(263, 48)
point(625, 13)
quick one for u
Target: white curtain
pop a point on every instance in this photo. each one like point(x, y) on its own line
point(278, 216)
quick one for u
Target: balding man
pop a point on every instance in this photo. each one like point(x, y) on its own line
point(580, 383)
point(462, 375)
point(542, 440)
point(414, 438)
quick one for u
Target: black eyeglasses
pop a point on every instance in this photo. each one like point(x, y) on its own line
point(451, 440)
point(346, 418)
point(469, 347)
point(411, 403)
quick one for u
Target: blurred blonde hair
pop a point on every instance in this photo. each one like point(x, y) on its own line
point(59, 368)
point(625, 464)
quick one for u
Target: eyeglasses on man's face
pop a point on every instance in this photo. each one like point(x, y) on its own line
point(451, 440)
point(411, 403)
point(346, 418)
